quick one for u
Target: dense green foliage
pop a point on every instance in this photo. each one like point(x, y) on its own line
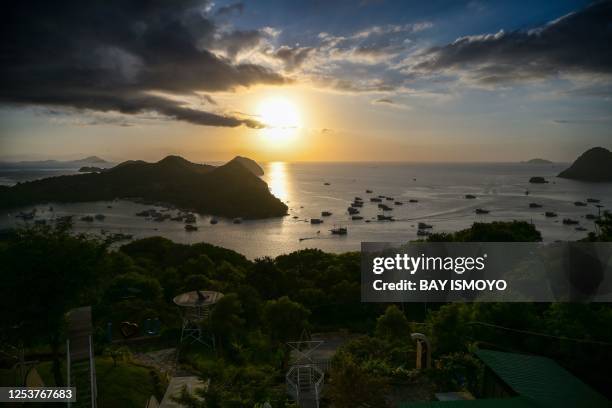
point(268, 302)
point(230, 190)
point(497, 231)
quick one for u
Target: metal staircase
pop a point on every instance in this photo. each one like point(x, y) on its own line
point(304, 385)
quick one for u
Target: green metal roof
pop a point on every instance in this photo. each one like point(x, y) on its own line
point(541, 380)
point(515, 402)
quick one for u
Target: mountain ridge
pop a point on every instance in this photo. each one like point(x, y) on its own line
point(230, 190)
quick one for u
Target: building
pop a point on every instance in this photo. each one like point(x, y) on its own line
point(524, 381)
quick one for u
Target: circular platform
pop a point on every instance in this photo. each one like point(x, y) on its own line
point(197, 298)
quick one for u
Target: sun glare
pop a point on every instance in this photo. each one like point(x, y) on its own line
point(281, 119)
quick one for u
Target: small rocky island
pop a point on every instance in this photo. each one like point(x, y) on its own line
point(593, 165)
point(537, 161)
point(538, 180)
point(230, 190)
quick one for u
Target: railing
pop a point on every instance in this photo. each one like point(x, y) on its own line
point(68, 367)
point(313, 381)
point(92, 375)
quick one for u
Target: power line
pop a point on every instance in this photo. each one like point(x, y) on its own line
point(532, 333)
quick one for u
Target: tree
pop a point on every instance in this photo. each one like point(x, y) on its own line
point(225, 320)
point(352, 386)
point(285, 319)
point(267, 278)
point(393, 325)
point(45, 272)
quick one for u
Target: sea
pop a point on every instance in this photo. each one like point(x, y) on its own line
point(308, 189)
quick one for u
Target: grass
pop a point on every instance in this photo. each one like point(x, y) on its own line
point(126, 385)
point(7, 377)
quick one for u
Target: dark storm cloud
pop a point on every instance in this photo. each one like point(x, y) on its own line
point(578, 43)
point(109, 56)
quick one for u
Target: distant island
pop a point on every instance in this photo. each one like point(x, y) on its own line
point(91, 169)
point(593, 165)
point(231, 190)
point(91, 161)
point(537, 161)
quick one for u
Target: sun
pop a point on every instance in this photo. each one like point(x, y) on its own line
point(281, 119)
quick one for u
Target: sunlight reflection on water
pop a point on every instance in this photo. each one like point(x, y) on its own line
point(276, 175)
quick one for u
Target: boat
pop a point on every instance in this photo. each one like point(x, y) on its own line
point(535, 205)
point(357, 204)
point(190, 227)
point(580, 229)
point(100, 217)
point(413, 200)
point(390, 198)
point(326, 184)
point(189, 218)
point(316, 221)
point(580, 204)
point(119, 236)
point(398, 203)
point(593, 200)
point(358, 199)
point(25, 216)
point(423, 226)
point(550, 214)
point(369, 191)
point(87, 218)
point(470, 196)
point(357, 217)
point(237, 220)
point(423, 233)
point(481, 211)
point(385, 207)
point(214, 221)
point(591, 217)
point(569, 221)
point(376, 200)
point(381, 196)
point(382, 217)
point(325, 213)
point(339, 231)
point(352, 210)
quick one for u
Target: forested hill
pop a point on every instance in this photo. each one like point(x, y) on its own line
point(230, 190)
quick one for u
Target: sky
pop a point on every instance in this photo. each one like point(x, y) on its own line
point(363, 80)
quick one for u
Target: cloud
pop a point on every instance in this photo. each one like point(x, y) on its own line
point(230, 9)
point(110, 56)
point(383, 101)
point(390, 103)
point(583, 121)
point(293, 58)
point(574, 44)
